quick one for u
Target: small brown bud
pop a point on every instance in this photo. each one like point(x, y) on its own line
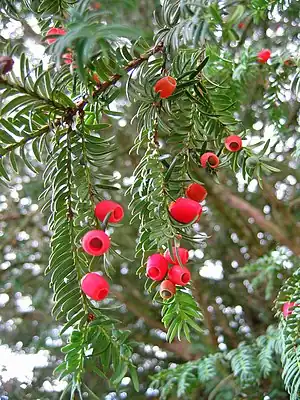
point(6, 64)
point(91, 317)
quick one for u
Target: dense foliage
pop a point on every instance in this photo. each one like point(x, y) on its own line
point(83, 123)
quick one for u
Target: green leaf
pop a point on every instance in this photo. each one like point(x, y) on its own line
point(99, 372)
point(6, 138)
point(119, 373)
point(3, 172)
point(236, 15)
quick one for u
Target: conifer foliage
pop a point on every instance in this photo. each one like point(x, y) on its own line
point(186, 123)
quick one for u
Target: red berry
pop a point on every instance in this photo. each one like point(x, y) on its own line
point(67, 58)
point(210, 159)
point(157, 267)
point(54, 31)
point(167, 289)
point(241, 25)
point(106, 206)
point(6, 64)
point(185, 210)
point(286, 308)
point(94, 286)
point(196, 192)
point(179, 275)
point(165, 86)
point(263, 56)
point(183, 255)
point(233, 143)
point(95, 242)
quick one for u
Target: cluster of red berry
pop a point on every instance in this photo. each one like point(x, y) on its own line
point(184, 210)
point(158, 269)
point(67, 57)
point(165, 87)
point(232, 143)
point(96, 242)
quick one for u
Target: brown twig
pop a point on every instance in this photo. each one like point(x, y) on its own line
point(115, 78)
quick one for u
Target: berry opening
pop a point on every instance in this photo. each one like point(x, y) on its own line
point(96, 244)
point(102, 293)
point(185, 278)
point(166, 294)
point(118, 213)
point(234, 145)
point(153, 272)
point(212, 160)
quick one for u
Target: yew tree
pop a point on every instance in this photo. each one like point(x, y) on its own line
point(150, 198)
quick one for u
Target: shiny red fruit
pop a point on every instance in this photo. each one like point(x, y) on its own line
point(233, 143)
point(106, 206)
point(94, 286)
point(179, 275)
point(196, 192)
point(241, 25)
point(96, 242)
point(183, 255)
point(263, 56)
point(54, 31)
point(167, 289)
point(157, 267)
point(165, 86)
point(185, 210)
point(209, 159)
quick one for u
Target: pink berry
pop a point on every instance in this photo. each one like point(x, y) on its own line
point(179, 275)
point(183, 255)
point(157, 267)
point(94, 286)
point(106, 206)
point(209, 159)
point(196, 192)
point(95, 242)
point(185, 210)
point(233, 143)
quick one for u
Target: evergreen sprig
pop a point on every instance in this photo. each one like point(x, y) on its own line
point(179, 314)
point(245, 367)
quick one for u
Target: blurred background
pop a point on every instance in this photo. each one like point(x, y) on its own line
point(253, 234)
